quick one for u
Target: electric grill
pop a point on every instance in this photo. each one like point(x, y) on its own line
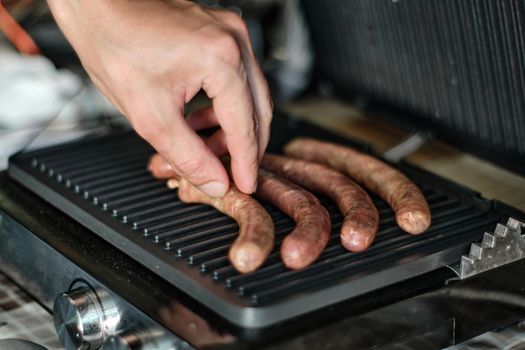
point(124, 265)
point(103, 184)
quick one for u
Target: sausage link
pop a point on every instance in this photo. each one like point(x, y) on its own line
point(312, 231)
point(256, 229)
point(411, 208)
point(361, 219)
point(312, 222)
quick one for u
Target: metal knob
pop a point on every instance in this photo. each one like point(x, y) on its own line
point(85, 318)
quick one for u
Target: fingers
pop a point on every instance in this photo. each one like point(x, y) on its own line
point(161, 169)
point(258, 85)
point(261, 98)
point(242, 106)
point(195, 162)
point(165, 129)
point(240, 135)
point(228, 87)
point(241, 101)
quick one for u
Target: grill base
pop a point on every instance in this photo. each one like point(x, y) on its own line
point(431, 311)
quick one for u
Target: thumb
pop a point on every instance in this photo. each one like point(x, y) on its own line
point(191, 158)
point(185, 152)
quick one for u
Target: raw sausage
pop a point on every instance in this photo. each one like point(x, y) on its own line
point(312, 230)
point(312, 222)
point(256, 229)
point(361, 219)
point(409, 204)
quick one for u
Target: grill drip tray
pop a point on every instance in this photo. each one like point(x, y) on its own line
point(103, 183)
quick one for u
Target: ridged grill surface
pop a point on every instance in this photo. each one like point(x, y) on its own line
point(107, 187)
point(120, 185)
point(460, 65)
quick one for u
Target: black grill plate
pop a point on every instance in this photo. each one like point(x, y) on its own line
point(103, 183)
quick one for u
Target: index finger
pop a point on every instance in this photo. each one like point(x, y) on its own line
point(233, 105)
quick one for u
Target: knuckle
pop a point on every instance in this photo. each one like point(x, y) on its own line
point(242, 27)
point(191, 168)
point(236, 22)
point(226, 49)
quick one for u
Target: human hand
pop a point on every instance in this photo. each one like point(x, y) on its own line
point(149, 58)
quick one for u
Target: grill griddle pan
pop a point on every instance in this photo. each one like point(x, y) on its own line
point(103, 183)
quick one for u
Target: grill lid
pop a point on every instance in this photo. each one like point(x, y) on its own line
point(453, 68)
point(103, 183)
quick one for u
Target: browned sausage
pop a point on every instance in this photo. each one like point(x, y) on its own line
point(361, 219)
point(412, 211)
point(312, 222)
point(256, 229)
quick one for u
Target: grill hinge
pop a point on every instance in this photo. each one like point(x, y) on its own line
point(503, 246)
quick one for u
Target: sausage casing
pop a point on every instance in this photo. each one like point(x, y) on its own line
point(361, 219)
point(256, 229)
point(312, 228)
point(411, 208)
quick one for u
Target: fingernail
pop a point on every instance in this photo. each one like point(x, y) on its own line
point(172, 184)
point(213, 189)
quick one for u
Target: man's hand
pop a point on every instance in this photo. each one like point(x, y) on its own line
point(150, 57)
